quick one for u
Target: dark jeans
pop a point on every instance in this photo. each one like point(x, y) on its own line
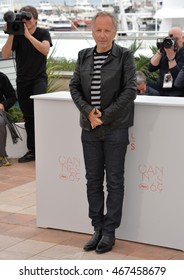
point(24, 91)
point(104, 152)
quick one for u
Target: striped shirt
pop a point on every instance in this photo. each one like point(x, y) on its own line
point(99, 59)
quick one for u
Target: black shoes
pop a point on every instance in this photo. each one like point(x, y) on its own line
point(105, 245)
point(100, 243)
point(29, 156)
point(93, 242)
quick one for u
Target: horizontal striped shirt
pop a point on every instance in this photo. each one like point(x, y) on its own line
point(99, 59)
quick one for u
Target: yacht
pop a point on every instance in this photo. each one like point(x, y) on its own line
point(45, 7)
point(83, 19)
point(58, 23)
point(42, 20)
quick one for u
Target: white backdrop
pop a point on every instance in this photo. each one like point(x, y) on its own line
point(154, 192)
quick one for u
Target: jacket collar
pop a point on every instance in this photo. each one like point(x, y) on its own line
point(114, 51)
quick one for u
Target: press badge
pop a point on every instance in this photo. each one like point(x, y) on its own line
point(168, 80)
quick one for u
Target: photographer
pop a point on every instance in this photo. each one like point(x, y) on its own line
point(31, 50)
point(7, 100)
point(142, 87)
point(169, 60)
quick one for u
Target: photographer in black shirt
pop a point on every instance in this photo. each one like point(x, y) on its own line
point(169, 60)
point(31, 50)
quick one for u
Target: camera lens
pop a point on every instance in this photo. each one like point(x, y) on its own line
point(16, 27)
point(167, 43)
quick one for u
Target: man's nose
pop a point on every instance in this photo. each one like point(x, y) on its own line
point(102, 34)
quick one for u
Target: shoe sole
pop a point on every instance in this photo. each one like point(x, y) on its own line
point(27, 160)
point(104, 251)
point(88, 250)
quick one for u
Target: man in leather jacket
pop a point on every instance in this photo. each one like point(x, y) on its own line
point(179, 81)
point(103, 88)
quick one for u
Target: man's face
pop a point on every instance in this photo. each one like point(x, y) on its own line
point(141, 88)
point(178, 36)
point(31, 23)
point(103, 33)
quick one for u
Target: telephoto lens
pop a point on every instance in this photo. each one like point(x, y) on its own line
point(168, 43)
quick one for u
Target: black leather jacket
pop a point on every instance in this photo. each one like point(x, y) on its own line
point(179, 81)
point(118, 87)
point(7, 92)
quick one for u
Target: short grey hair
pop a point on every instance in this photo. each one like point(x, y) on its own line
point(141, 77)
point(106, 14)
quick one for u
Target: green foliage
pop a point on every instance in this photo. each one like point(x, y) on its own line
point(15, 113)
point(67, 65)
point(142, 61)
point(135, 46)
point(54, 68)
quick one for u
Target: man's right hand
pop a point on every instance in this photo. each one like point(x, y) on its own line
point(95, 118)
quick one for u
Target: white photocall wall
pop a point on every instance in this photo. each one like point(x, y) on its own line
point(154, 192)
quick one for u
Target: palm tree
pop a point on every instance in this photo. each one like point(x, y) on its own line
point(142, 61)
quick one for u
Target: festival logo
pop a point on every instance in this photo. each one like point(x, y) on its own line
point(151, 178)
point(69, 168)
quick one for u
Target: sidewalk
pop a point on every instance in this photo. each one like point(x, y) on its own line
point(21, 239)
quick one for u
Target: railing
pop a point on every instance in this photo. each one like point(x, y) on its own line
point(130, 35)
point(67, 45)
point(69, 50)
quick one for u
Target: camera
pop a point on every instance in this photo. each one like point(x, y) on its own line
point(167, 43)
point(14, 21)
